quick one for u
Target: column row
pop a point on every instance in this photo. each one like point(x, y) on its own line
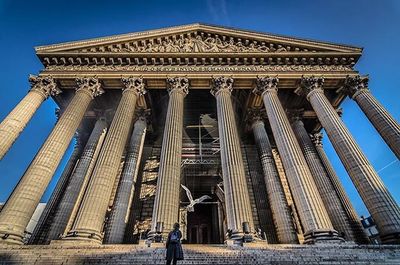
point(311, 182)
point(19, 208)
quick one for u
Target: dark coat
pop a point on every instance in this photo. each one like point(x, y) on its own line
point(174, 250)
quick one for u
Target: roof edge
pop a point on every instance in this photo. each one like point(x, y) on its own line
point(193, 26)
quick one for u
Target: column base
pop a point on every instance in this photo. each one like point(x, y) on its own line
point(84, 236)
point(73, 242)
point(7, 238)
point(155, 237)
point(156, 245)
point(322, 236)
point(238, 238)
point(391, 239)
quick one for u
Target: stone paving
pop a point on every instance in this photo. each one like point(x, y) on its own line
point(201, 254)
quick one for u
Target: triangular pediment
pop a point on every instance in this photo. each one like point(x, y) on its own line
point(196, 38)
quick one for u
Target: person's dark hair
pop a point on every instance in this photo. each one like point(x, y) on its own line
point(176, 226)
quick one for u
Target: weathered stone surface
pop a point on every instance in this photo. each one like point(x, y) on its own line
point(237, 201)
point(379, 202)
point(311, 209)
point(15, 122)
point(357, 88)
point(19, 208)
point(354, 219)
point(332, 201)
point(166, 204)
point(276, 196)
point(115, 228)
point(46, 218)
point(90, 218)
point(79, 178)
point(203, 254)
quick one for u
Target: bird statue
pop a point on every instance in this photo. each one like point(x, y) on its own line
point(190, 207)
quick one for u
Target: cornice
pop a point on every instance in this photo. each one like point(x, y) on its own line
point(196, 27)
point(199, 59)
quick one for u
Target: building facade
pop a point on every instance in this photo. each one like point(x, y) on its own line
point(164, 117)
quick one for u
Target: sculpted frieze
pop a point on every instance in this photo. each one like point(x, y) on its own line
point(211, 68)
point(194, 44)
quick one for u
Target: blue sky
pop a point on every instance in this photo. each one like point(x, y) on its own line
point(25, 24)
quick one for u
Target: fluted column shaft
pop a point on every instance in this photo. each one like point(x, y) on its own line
point(383, 122)
point(89, 221)
point(276, 196)
point(117, 221)
point(237, 200)
point(15, 122)
point(166, 202)
point(56, 196)
point(358, 231)
point(311, 209)
point(378, 200)
point(77, 179)
point(332, 202)
point(20, 206)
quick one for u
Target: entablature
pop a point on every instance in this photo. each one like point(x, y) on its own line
point(197, 45)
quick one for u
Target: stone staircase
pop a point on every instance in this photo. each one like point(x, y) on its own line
point(201, 254)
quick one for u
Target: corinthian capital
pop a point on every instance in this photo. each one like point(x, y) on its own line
point(44, 85)
point(221, 83)
point(135, 84)
point(353, 85)
point(309, 84)
point(143, 115)
point(264, 84)
point(178, 84)
point(295, 115)
point(90, 85)
point(255, 115)
point(316, 138)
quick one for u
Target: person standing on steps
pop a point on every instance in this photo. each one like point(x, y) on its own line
point(173, 245)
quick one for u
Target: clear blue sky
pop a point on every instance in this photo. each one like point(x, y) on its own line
point(370, 24)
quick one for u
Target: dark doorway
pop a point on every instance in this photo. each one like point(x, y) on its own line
point(203, 224)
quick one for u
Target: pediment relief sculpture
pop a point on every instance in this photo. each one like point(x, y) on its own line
point(196, 43)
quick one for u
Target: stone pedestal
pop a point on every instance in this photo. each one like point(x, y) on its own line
point(276, 196)
point(19, 208)
point(117, 221)
point(378, 200)
point(15, 122)
point(90, 218)
point(79, 177)
point(237, 201)
point(166, 203)
point(357, 88)
point(312, 212)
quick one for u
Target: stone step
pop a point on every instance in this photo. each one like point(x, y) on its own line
point(202, 254)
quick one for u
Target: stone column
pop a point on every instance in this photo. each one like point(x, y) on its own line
point(77, 180)
point(118, 218)
point(332, 202)
point(354, 219)
point(89, 221)
point(166, 202)
point(276, 197)
point(357, 88)
point(15, 122)
point(54, 200)
point(237, 200)
point(19, 208)
point(379, 202)
point(313, 215)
